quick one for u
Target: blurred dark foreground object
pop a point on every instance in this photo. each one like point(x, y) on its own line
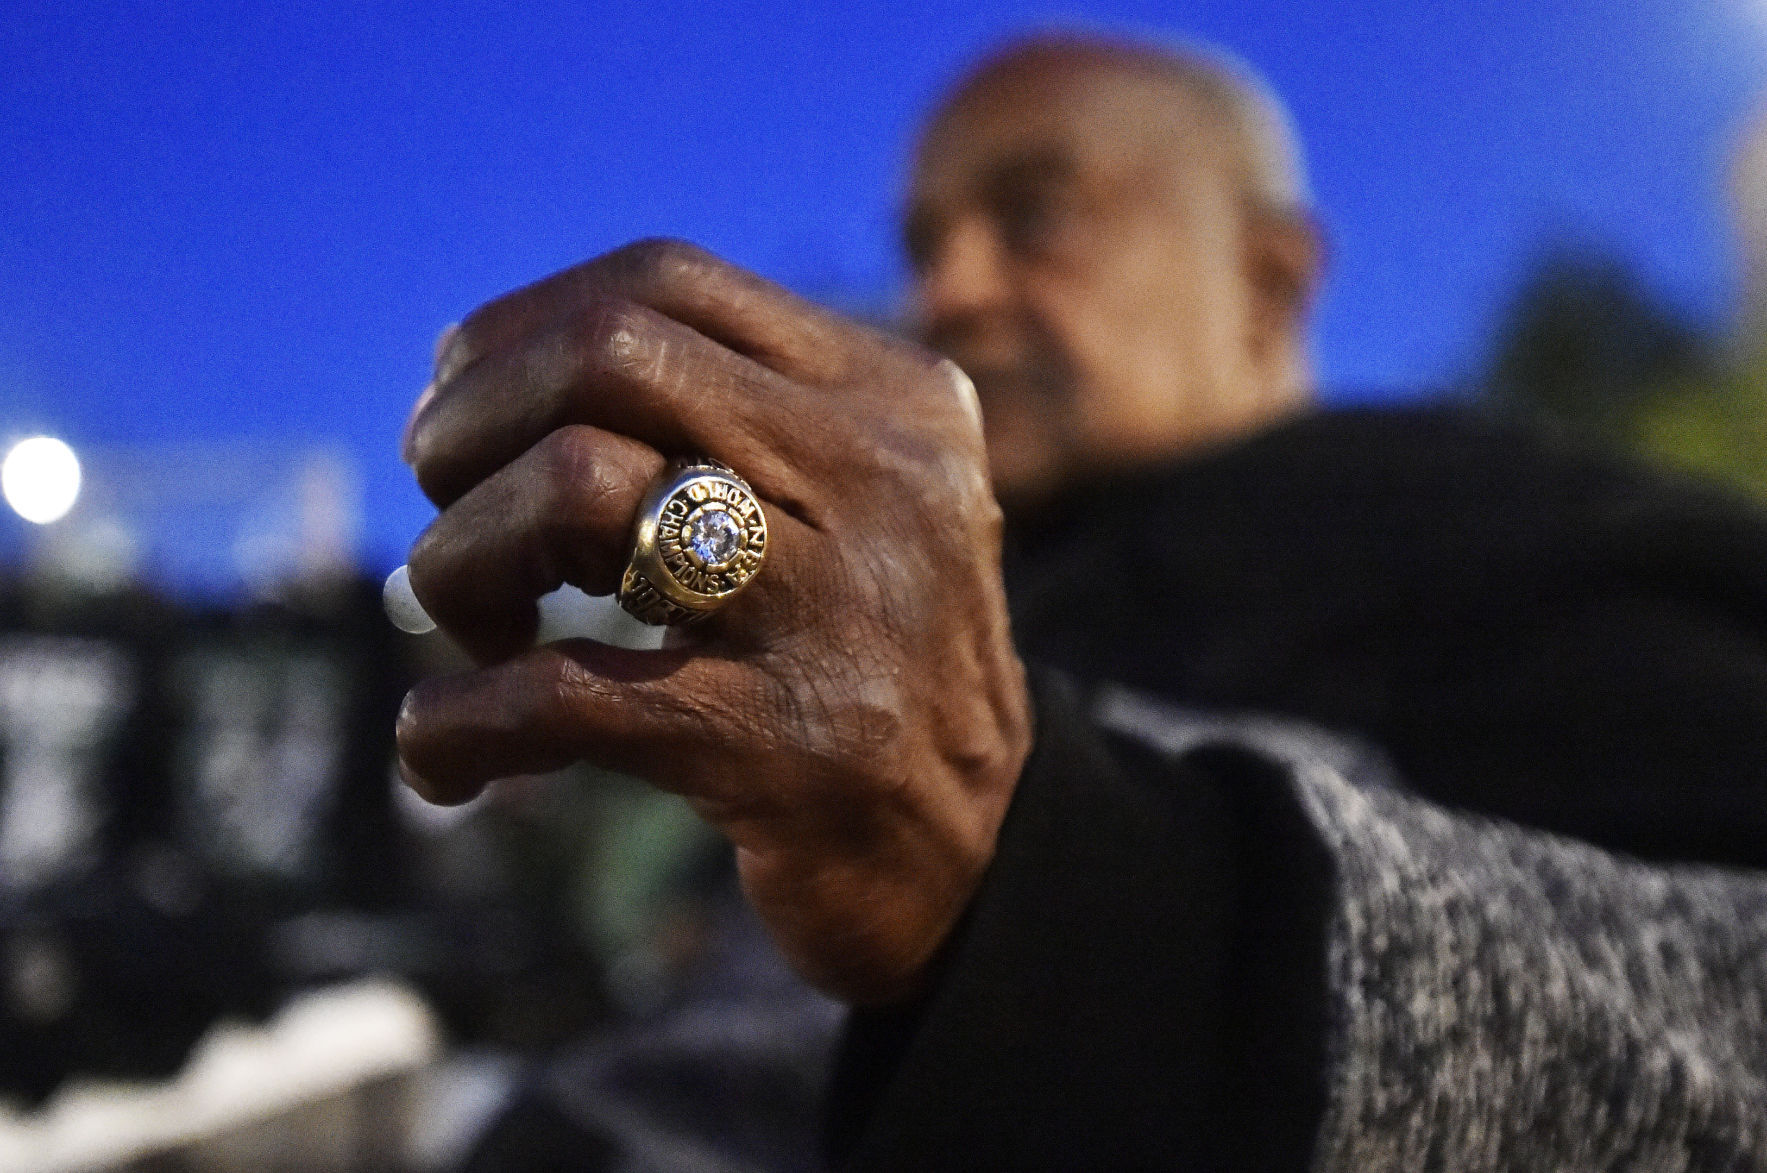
point(197, 818)
point(173, 783)
point(728, 1073)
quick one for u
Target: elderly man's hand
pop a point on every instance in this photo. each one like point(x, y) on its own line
point(855, 720)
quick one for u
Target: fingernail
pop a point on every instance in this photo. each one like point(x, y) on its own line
point(408, 438)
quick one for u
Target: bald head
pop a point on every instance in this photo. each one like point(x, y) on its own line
point(1113, 240)
point(1198, 87)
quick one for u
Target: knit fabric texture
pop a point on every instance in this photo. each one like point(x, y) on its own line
point(1511, 1000)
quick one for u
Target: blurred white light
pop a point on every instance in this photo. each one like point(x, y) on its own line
point(40, 479)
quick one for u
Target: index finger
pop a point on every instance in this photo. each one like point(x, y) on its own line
point(659, 341)
point(735, 308)
point(629, 370)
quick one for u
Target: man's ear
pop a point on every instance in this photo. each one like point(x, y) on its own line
point(1285, 261)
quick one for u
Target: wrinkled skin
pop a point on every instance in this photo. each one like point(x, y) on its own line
point(856, 719)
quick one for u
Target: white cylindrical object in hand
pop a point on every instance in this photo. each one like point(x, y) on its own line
point(402, 607)
point(566, 613)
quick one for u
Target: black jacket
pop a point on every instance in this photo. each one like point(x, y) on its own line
point(1528, 629)
point(1236, 944)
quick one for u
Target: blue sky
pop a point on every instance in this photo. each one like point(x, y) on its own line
point(248, 220)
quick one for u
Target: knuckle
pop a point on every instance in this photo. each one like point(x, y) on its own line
point(662, 260)
point(565, 693)
point(619, 336)
point(962, 387)
point(443, 341)
point(872, 730)
point(851, 720)
point(574, 473)
point(948, 396)
point(460, 346)
point(566, 706)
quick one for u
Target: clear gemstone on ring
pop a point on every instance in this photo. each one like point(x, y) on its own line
point(714, 537)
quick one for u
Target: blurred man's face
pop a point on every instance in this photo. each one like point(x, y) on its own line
point(1077, 248)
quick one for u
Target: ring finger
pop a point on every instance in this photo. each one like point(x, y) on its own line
point(561, 512)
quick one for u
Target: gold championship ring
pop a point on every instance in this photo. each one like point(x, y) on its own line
point(699, 537)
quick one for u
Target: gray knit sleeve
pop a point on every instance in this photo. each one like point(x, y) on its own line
point(1508, 1000)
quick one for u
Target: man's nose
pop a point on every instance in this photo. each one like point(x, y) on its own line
point(965, 283)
